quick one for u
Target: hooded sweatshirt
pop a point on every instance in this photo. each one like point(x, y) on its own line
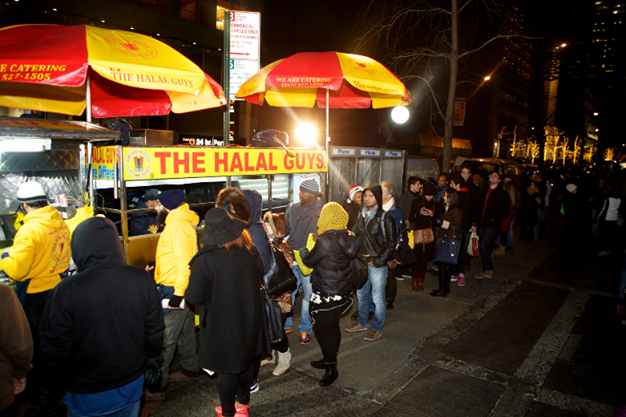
point(101, 324)
point(177, 245)
point(41, 250)
point(257, 229)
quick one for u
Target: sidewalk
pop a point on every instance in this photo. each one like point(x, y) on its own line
point(512, 345)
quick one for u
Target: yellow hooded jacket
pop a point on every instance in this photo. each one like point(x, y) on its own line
point(177, 245)
point(41, 250)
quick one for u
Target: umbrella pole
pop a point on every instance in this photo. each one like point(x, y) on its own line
point(327, 141)
point(88, 98)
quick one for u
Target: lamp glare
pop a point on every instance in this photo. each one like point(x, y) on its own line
point(400, 115)
point(306, 133)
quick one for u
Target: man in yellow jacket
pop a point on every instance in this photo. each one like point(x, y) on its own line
point(39, 255)
point(177, 245)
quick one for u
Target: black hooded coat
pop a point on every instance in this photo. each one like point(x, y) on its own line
point(257, 229)
point(378, 245)
point(101, 325)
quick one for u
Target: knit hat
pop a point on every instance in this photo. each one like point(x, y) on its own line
point(310, 186)
point(31, 191)
point(353, 190)
point(571, 187)
point(429, 188)
point(152, 194)
point(172, 199)
point(332, 217)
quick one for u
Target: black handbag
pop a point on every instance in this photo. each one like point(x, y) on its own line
point(273, 318)
point(359, 271)
point(447, 251)
point(279, 278)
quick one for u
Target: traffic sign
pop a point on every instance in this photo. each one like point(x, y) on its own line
point(245, 35)
point(240, 71)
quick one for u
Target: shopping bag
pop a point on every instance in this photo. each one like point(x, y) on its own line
point(447, 251)
point(472, 248)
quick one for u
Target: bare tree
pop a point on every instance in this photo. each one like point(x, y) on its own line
point(431, 28)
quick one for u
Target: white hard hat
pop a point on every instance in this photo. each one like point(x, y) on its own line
point(31, 191)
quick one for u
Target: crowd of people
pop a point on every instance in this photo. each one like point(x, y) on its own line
point(61, 334)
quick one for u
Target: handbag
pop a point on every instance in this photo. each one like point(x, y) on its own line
point(273, 317)
point(423, 236)
point(359, 271)
point(447, 250)
point(279, 278)
point(473, 247)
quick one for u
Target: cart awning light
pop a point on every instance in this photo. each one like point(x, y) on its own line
point(24, 144)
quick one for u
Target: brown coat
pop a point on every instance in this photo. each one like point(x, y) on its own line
point(16, 344)
point(454, 216)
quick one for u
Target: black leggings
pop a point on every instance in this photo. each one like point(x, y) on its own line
point(328, 333)
point(233, 387)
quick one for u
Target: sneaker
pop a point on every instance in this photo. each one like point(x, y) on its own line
point(604, 253)
point(239, 412)
point(406, 276)
point(480, 276)
point(355, 327)
point(372, 335)
point(400, 277)
point(488, 274)
point(255, 386)
point(435, 267)
point(305, 338)
point(454, 278)
point(288, 331)
point(461, 281)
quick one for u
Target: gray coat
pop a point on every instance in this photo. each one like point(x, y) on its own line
point(301, 220)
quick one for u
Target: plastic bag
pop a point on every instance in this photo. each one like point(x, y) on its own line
point(82, 214)
point(472, 248)
point(296, 253)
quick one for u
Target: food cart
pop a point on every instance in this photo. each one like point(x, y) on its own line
point(52, 152)
point(202, 171)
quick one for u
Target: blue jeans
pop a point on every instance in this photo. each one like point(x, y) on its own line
point(305, 321)
point(375, 285)
point(509, 236)
point(131, 410)
point(486, 236)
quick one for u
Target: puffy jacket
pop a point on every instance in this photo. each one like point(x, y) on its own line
point(101, 324)
point(41, 250)
point(379, 246)
point(177, 245)
point(330, 258)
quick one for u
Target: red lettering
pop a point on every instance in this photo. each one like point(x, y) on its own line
point(310, 157)
point(300, 160)
point(163, 157)
point(221, 161)
point(178, 162)
point(236, 164)
point(320, 161)
point(198, 160)
point(288, 161)
point(272, 166)
point(246, 161)
point(261, 162)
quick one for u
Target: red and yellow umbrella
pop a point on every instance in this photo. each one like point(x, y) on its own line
point(46, 68)
point(347, 81)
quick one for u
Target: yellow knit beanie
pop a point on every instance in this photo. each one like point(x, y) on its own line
point(332, 217)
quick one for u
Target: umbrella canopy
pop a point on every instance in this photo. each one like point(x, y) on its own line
point(350, 81)
point(45, 67)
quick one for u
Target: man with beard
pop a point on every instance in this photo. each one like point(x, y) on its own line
point(354, 204)
point(177, 245)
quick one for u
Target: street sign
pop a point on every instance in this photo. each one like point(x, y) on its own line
point(245, 35)
point(240, 71)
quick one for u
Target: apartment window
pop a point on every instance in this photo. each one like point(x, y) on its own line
point(222, 6)
point(188, 10)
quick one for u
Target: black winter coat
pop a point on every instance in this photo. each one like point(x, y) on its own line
point(257, 229)
point(498, 207)
point(139, 223)
point(353, 213)
point(330, 258)
point(101, 325)
point(379, 246)
point(227, 287)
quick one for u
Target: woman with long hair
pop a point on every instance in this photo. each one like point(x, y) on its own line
point(421, 217)
point(225, 281)
point(335, 246)
point(450, 229)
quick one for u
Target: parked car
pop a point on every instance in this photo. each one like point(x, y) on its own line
point(485, 166)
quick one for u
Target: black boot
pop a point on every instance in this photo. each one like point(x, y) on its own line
point(330, 376)
point(441, 291)
point(318, 364)
point(390, 303)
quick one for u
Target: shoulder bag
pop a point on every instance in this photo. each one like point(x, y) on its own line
point(447, 250)
point(273, 317)
point(423, 236)
point(359, 271)
point(279, 278)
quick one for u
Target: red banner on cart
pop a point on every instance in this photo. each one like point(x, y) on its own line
point(179, 162)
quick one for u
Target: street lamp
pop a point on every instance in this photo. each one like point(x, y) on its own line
point(487, 78)
point(400, 115)
point(306, 133)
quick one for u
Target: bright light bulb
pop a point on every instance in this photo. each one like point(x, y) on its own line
point(306, 133)
point(400, 114)
point(487, 78)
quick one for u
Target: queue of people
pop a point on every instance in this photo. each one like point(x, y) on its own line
point(69, 327)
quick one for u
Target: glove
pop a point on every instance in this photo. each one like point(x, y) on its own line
point(152, 375)
point(175, 301)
